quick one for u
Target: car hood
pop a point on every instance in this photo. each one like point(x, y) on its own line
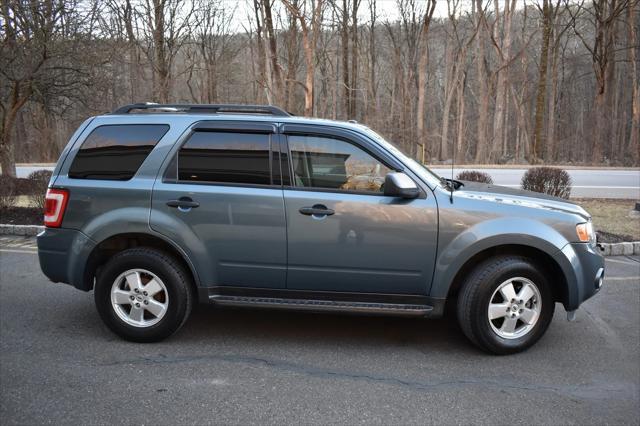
point(506, 195)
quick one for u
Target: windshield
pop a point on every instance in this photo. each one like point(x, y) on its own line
point(420, 169)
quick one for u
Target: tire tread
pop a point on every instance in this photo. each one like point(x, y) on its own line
point(471, 293)
point(183, 284)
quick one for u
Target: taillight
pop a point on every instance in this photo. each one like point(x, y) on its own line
point(54, 205)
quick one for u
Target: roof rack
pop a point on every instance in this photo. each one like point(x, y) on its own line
point(204, 109)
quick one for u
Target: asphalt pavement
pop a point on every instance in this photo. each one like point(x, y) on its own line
point(587, 183)
point(59, 364)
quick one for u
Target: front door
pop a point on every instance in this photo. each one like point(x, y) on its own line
point(343, 234)
point(218, 201)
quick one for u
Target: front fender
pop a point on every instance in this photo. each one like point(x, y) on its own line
point(455, 251)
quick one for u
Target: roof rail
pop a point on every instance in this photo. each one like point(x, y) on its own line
point(204, 109)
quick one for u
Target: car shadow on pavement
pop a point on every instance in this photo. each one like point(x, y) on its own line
point(289, 327)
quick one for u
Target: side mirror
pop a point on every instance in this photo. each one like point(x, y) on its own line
point(400, 185)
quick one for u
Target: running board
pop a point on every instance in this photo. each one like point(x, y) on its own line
point(323, 305)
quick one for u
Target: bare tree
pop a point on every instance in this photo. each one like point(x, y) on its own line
point(455, 76)
point(422, 72)
point(373, 105)
point(344, 37)
point(483, 82)
point(491, 76)
point(311, 28)
point(36, 65)
point(633, 19)
point(602, 17)
point(166, 27)
point(212, 39)
point(503, 50)
point(548, 14)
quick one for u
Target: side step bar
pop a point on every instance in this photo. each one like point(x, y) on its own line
point(323, 305)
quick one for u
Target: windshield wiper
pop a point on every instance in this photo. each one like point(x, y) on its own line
point(451, 183)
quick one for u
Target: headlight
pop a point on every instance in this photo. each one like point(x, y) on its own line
point(585, 232)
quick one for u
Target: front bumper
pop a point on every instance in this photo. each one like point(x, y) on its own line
point(583, 268)
point(63, 255)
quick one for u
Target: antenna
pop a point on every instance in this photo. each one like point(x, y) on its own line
point(453, 160)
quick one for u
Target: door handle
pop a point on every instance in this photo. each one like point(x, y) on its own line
point(183, 203)
point(316, 210)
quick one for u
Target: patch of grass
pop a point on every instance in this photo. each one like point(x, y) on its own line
point(613, 217)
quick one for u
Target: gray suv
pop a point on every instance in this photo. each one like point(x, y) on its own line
point(155, 207)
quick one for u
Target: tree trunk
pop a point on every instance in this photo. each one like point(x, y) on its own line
point(18, 98)
point(276, 73)
point(608, 139)
point(541, 95)
point(503, 76)
point(7, 155)
point(422, 76)
point(550, 151)
point(261, 56)
point(451, 83)
point(161, 65)
point(292, 63)
point(345, 59)
point(483, 89)
point(634, 137)
point(310, 63)
point(523, 127)
point(134, 60)
point(372, 106)
point(354, 59)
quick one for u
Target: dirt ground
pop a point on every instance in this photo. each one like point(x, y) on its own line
point(21, 216)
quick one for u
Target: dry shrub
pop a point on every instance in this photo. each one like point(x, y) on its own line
point(38, 182)
point(548, 180)
point(7, 191)
point(474, 176)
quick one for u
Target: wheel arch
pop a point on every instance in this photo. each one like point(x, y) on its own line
point(116, 243)
point(541, 258)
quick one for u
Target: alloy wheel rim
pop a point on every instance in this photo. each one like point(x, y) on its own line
point(139, 298)
point(514, 308)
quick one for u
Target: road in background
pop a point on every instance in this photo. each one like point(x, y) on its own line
point(24, 171)
point(60, 364)
point(587, 183)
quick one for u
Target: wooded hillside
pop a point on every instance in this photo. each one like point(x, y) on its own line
point(502, 81)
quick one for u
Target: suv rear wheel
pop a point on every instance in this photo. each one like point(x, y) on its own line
point(143, 295)
point(505, 305)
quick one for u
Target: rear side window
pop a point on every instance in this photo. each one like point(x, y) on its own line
point(116, 152)
point(220, 157)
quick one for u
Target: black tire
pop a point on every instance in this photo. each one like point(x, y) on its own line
point(164, 266)
point(475, 296)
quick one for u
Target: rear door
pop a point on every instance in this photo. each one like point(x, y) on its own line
point(344, 234)
point(217, 199)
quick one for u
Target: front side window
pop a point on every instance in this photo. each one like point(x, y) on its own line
point(115, 152)
point(328, 163)
point(220, 157)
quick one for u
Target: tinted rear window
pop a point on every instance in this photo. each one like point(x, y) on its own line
point(239, 158)
point(116, 152)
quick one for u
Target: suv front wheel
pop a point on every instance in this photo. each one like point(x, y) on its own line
point(505, 305)
point(143, 295)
